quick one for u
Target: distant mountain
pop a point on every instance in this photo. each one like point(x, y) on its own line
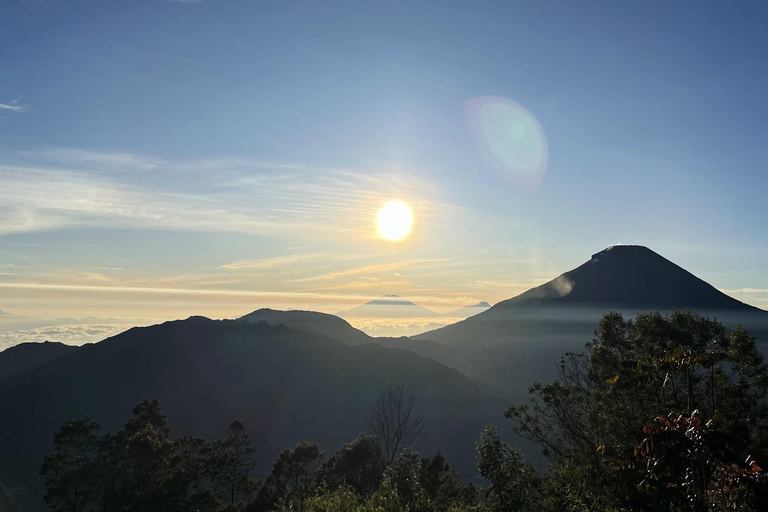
point(389, 306)
point(468, 311)
point(28, 355)
point(310, 321)
point(286, 385)
point(339, 329)
point(519, 340)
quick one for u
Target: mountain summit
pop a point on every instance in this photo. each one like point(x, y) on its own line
point(629, 276)
point(389, 306)
point(514, 343)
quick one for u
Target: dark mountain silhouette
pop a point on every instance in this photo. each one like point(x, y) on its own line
point(286, 385)
point(339, 329)
point(519, 340)
point(27, 355)
point(629, 276)
point(389, 306)
point(311, 321)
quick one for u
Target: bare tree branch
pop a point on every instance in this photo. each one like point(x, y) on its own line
point(392, 420)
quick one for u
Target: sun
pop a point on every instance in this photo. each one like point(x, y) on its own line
point(394, 221)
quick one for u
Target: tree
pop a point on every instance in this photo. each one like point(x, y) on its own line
point(596, 422)
point(141, 468)
point(393, 421)
point(358, 464)
point(193, 469)
point(138, 461)
point(71, 471)
point(231, 462)
point(514, 483)
point(292, 479)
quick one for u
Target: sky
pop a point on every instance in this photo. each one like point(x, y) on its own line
point(161, 159)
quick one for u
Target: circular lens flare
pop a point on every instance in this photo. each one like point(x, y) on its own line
point(394, 221)
point(510, 138)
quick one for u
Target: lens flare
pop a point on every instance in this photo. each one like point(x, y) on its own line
point(394, 221)
point(510, 138)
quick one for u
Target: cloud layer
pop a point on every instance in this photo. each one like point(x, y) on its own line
point(69, 334)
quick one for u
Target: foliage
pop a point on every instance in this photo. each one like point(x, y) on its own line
point(231, 462)
point(514, 484)
point(596, 422)
point(142, 468)
point(292, 480)
point(71, 470)
point(359, 465)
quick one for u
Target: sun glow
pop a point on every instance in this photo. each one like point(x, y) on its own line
point(394, 221)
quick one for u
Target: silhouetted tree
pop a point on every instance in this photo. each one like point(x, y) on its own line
point(231, 462)
point(705, 387)
point(193, 468)
point(138, 461)
point(443, 485)
point(514, 483)
point(71, 472)
point(393, 421)
point(292, 479)
point(141, 468)
point(358, 464)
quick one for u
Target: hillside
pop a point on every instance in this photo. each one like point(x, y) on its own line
point(468, 311)
point(27, 355)
point(519, 340)
point(286, 385)
point(310, 321)
point(339, 329)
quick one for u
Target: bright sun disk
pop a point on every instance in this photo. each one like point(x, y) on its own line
point(394, 220)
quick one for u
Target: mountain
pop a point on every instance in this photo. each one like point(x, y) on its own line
point(468, 311)
point(28, 355)
point(339, 329)
point(311, 321)
point(389, 306)
point(286, 385)
point(518, 341)
point(629, 276)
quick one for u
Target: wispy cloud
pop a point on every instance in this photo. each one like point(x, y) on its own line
point(366, 270)
point(746, 290)
point(3, 313)
point(96, 160)
point(13, 106)
point(269, 263)
point(148, 290)
point(83, 188)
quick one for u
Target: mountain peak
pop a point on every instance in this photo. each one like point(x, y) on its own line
point(624, 249)
point(389, 306)
point(628, 276)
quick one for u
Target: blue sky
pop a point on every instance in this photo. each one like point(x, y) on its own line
point(160, 159)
